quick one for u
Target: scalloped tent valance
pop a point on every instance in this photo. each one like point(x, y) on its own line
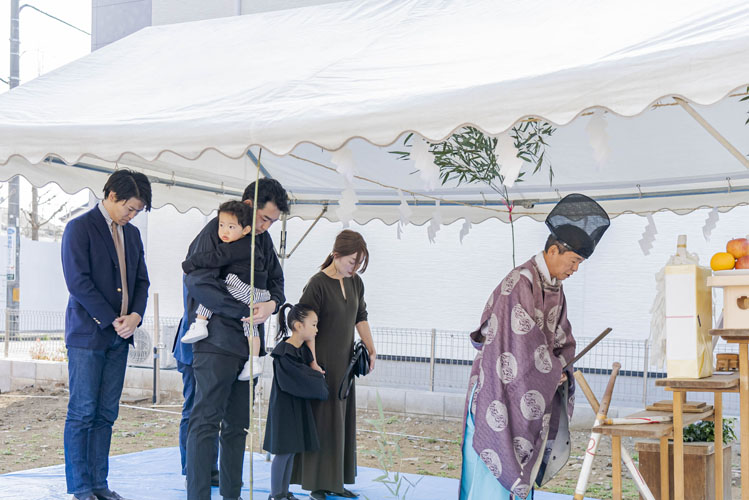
point(185, 103)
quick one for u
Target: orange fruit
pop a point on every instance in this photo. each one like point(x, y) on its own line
point(722, 261)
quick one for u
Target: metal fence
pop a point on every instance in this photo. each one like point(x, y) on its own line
point(38, 334)
point(41, 334)
point(421, 359)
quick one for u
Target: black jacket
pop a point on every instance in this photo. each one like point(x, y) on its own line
point(205, 285)
point(291, 424)
point(231, 258)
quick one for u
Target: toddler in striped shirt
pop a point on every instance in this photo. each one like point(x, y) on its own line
point(234, 223)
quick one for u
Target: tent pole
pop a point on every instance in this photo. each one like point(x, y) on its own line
point(282, 243)
point(252, 320)
point(717, 135)
point(283, 237)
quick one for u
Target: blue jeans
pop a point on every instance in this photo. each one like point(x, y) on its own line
point(95, 378)
point(188, 391)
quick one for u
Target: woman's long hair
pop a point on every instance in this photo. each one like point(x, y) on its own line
point(297, 314)
point(349, 242)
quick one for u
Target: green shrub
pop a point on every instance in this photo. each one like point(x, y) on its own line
point(705, 431)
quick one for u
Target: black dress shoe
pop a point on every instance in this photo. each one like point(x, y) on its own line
point(90, 496)
point(214, 478)
point(108, 495)
point(317, 495)
point(290, 496)
point(345, 494)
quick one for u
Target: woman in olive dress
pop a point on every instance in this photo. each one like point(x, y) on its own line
point(337, 294)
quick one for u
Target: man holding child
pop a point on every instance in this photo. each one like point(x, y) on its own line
point(221, 400)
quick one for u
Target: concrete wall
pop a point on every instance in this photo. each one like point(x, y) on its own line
point(180, 11)
point(251, 6)
point(115, 19)
point(16, 374)
point(169, 235)
point(42, 283)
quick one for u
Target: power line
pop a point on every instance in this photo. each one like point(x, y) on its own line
point(53, 17)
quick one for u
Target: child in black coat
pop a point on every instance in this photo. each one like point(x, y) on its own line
point(291, 426)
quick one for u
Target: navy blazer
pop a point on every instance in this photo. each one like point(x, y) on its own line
point(89, 263)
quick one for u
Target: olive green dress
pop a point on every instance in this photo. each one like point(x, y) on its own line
point(335, 462)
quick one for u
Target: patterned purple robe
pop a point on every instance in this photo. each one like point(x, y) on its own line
point(524, 341)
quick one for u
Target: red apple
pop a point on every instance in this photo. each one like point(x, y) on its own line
point(742, 263)
point(738, 247)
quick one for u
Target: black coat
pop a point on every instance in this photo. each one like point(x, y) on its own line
point(291, 425)
point(205, 286)
point(231, 258)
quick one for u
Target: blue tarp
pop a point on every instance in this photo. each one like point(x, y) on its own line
point(155, 475)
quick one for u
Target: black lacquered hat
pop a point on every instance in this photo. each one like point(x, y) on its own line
point(579, 223)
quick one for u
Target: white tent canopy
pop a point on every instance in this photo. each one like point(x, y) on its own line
point(186, 103)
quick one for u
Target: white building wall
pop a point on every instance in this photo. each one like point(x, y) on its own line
point(42, 283)
point(180, 11)
point(252, 6)
point(169, 235)
point(115, 19)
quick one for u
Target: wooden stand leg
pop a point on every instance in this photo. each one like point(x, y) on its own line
point(678, 446)
point(616, 464)
point(744, 398)
point(665, 470)
point(718, 419)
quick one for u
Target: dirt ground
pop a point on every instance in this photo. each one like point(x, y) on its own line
point(32, 420)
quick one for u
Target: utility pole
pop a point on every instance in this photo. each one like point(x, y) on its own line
point(13, 284)
point(13, 294)
point(15, 40)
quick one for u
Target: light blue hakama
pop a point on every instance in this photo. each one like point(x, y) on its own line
point(477, 482)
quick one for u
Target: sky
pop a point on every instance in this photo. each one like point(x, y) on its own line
point(46, 44)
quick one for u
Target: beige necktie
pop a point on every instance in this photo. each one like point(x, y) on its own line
point(121, 260)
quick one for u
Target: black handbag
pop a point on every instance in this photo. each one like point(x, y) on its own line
point(359, 366)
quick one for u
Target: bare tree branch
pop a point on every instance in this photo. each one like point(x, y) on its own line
point(59, 209)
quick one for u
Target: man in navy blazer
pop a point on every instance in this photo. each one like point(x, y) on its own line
point(105, 272)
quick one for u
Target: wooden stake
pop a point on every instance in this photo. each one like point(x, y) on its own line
point(616, 462)
point(678, 446)
point(718, 421)
point(595, 437)
point(665, 469)
point(637, 420)
point(626, 458)
point(744, 413)
point(588, 347)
